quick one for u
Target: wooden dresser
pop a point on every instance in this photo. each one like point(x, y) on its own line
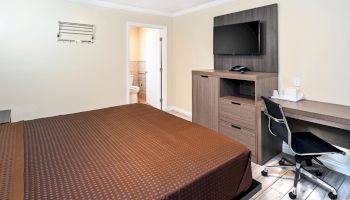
point(230, 103)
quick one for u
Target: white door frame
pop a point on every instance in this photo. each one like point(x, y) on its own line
point(165, 59)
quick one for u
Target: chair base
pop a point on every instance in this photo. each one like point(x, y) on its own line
point(299, 169)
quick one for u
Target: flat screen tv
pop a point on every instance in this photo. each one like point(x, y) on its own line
point(237, 39)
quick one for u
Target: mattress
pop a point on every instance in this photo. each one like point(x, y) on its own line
point(129, 152)
point(11, 161)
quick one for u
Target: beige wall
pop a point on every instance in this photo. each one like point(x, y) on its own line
point(314, 44)
point(42, 77)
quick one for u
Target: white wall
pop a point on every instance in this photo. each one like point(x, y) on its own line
point(41, 77)
point(314, 44)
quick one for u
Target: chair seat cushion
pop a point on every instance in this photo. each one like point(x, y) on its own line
point(306, 142)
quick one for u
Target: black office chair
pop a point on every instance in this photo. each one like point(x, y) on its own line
point(305, 145)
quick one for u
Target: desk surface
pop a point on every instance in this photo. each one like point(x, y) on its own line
point(318, 112)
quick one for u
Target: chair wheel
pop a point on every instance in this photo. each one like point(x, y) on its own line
point(332, 196)
point(318, 173)
point(292, 196)
point(281, 162)
point(308, 163)
point(264, 173)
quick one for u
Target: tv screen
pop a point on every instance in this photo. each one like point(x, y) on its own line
point(237, 39)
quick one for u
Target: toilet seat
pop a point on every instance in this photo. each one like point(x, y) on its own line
point(134, 89)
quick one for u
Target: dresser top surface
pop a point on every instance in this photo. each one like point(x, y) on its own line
point(252, 76)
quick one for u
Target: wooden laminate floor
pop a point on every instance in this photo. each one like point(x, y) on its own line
point(278, 184)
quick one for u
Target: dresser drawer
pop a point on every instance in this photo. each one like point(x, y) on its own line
point(241, 114)
point(245, 136)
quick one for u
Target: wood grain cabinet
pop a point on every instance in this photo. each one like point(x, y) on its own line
point(205, 97)
point(238, 121)
point(235, 110)
point(230, 103)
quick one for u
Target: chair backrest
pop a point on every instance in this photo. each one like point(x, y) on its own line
point(278, 125)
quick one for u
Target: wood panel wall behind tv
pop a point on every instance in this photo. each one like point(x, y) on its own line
point(268, 60)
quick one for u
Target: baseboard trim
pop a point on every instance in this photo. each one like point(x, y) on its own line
point(180, 110)
point(336, 162)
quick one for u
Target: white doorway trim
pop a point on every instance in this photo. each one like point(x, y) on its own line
point(165, 59)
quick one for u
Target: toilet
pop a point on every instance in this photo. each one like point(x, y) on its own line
point(133, 90)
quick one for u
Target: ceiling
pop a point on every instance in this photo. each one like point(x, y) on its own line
point(158, 7)
point(167, 6)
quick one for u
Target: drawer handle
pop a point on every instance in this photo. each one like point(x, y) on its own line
point(237, 127)
point(204, 76)
point(236, 103)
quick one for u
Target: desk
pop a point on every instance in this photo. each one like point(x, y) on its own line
point(327, 114)
point(330, 122)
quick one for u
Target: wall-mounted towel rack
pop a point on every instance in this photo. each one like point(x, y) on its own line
point(75, 32)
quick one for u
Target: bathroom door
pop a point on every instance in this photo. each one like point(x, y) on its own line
point(152, 52)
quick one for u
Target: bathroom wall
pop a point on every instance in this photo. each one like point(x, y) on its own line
point(138, 69)
point(134, 50)
point(142, 80)
point(136, 62)
point(134, 70)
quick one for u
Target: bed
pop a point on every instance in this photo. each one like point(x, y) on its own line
point(124, 152)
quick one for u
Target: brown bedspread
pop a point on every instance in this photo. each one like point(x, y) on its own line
point(131, 152)
point(11, 161)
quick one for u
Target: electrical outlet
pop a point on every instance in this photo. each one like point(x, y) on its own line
point(296, 81)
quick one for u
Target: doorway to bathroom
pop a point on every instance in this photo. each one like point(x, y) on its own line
point(147, 64)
